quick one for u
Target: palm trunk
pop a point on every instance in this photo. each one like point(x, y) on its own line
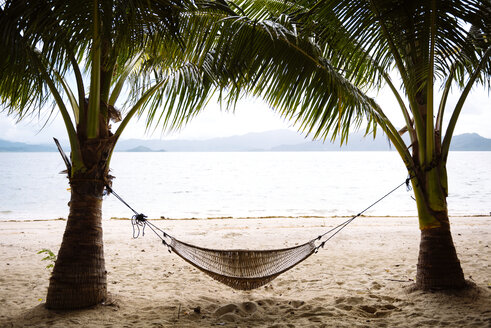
point(79, 276)
point(438, 265)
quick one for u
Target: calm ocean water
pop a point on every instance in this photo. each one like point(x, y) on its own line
point(186, 185)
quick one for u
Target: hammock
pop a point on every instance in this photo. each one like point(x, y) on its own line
point(238, 268)
point(242, 269)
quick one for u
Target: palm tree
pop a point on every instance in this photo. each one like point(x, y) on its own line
point(315, 62)
point(80, 57)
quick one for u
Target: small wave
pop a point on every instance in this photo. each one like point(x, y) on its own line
point(266, 217)
point(32, 220)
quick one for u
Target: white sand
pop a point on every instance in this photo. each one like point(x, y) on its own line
point(359, 280)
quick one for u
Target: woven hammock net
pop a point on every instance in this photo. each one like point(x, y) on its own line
point(242, 269)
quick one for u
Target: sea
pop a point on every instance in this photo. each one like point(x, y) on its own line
point(185, 185)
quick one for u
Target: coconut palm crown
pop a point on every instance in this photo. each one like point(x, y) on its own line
point(316, 61)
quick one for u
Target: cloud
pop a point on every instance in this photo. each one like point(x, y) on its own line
point(30, 130)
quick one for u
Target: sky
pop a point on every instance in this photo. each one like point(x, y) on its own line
point(251, 115)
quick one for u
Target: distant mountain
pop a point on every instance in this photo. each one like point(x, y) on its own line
point(262, 141)
point(470, 141)
point(142, 149)
point(356, 142)
point(287, 140)
point(9, 146)
point(279, 140)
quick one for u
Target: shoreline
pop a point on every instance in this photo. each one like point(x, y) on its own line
point(359, 280)
point(269, 217)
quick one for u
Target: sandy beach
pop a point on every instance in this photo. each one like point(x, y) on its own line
point(360, 279)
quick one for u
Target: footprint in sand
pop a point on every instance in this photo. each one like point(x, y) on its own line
point(230, 317)
point(296, 304)
point(345, 307)
point(232, 312)
point(341, 301)
point(376, 286)
point(368, 309)
point(248, 307)
point(358, 305)
point(229, 308)
point(265, 303)
point(375, 310)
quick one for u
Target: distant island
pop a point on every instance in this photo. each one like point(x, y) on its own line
point(278, 140)
point(143, 149)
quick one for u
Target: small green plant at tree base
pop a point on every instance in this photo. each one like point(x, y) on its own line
point(50, 256)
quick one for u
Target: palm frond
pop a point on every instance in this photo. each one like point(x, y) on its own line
point(271, 60)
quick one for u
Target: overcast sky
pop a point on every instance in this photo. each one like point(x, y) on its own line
point(252, 115)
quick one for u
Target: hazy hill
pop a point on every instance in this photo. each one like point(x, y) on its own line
point(9, 146)
point(287, 140)
point(142, 149)
point(263, 141)
point(470, 141)
point(279, 140)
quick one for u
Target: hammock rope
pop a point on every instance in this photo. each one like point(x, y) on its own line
point(240, 268)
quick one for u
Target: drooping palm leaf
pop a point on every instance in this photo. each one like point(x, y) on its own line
point(271, 60)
